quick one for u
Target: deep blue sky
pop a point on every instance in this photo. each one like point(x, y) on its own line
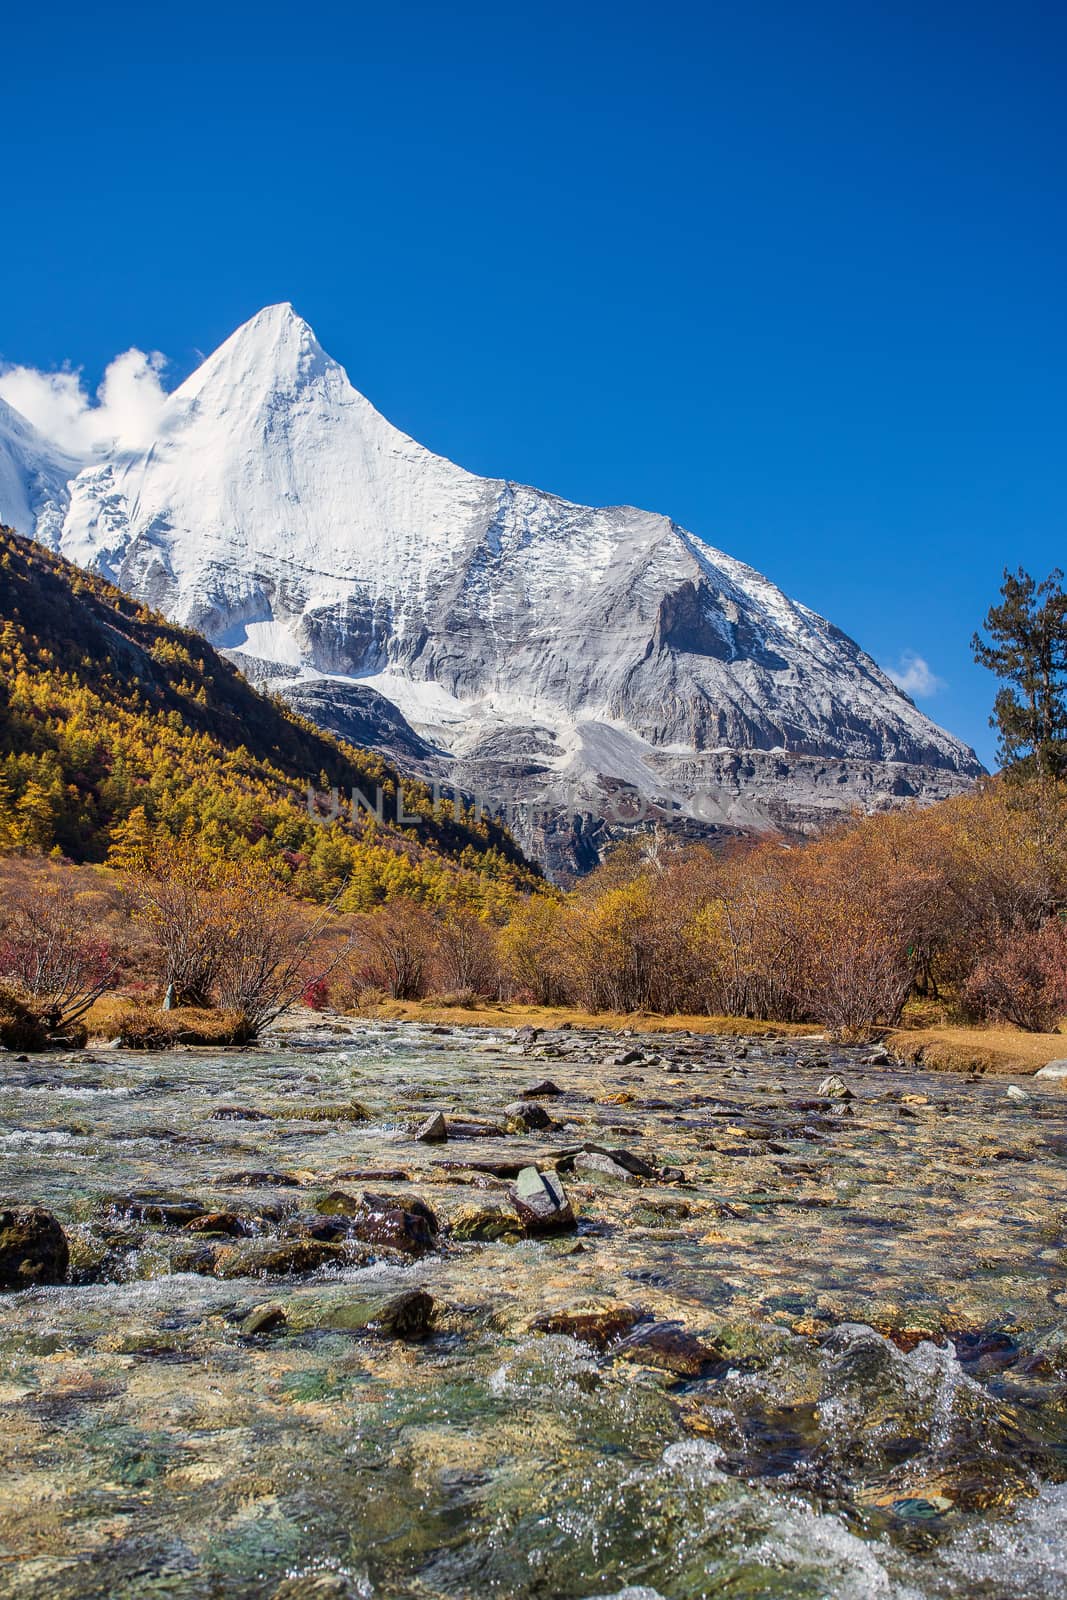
point(792, 273)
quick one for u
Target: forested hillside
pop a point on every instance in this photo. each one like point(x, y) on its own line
point(116, 726)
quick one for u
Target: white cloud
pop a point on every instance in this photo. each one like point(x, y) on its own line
point(913, 675)
point(125, 409)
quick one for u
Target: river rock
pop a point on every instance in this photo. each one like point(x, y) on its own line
point(541, 1202)
point(668, 1347)
point(260, 1180)
point(1013, 1092)
point(595, 1322)
point(407, 1314)
point(835, 1088)
point(318, 1586)
point(541, 1091)
point(225, 1222)
point(33, 1248)
point(633, 1166)
point(239, 1114)
point(278, 1258)
point(473, 1128)
point(195, 1255)
point(1053, 1069)
point(597, 1163)
point(372, 1175)
point(311, 1226)
point(266, 1318)
point(526, 1116)
point(472, 1223)
point(338, 1204)
point(408, 1225)
point(158, 1210)
point(433, 1131)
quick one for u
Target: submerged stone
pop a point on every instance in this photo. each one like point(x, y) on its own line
point(264, 1319)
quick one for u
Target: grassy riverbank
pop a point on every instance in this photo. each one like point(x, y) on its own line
point(1003, 1051)
point(508, 1014)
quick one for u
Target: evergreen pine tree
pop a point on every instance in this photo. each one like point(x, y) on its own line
point(1027, 648)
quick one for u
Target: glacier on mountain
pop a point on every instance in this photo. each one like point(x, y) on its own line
point(548, 652)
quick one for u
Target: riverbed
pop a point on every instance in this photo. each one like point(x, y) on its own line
point(798, 1328)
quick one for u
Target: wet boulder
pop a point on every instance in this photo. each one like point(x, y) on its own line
point(835, 1088)
point(599, 1164)
point(614, 1162)
point(338, 1203)
point(228, 1223)
point(668, 1347)
point(161, 1211)
point(278, 1258)
point(199, 1256)
point(545, 1090)
point(403, 1314)
point(595, 1322)
point(473, 1223)
point(473, 1128)
point(33, 1248)
point(408, 1224)
point(541, 1202)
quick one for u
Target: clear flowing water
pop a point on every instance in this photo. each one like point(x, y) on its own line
point(825, 1352)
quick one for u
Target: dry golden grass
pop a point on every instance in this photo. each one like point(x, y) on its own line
point(504, 1014)
point(143, 1027)
point(1004, 1051)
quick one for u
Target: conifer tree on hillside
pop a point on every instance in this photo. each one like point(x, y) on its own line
point(1027, 649)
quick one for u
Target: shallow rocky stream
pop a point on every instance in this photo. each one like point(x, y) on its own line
point(675, 1317)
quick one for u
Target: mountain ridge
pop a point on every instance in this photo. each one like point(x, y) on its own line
point(281, 515)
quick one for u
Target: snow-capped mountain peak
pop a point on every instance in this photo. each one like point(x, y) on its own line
point(549, 647)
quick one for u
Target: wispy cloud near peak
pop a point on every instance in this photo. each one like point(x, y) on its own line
point(914, 676)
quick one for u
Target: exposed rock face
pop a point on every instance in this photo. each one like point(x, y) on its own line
point(359, 714)
point(585, 664)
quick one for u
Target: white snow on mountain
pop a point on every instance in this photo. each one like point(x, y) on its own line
point(554, 650)
point(34, 475)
